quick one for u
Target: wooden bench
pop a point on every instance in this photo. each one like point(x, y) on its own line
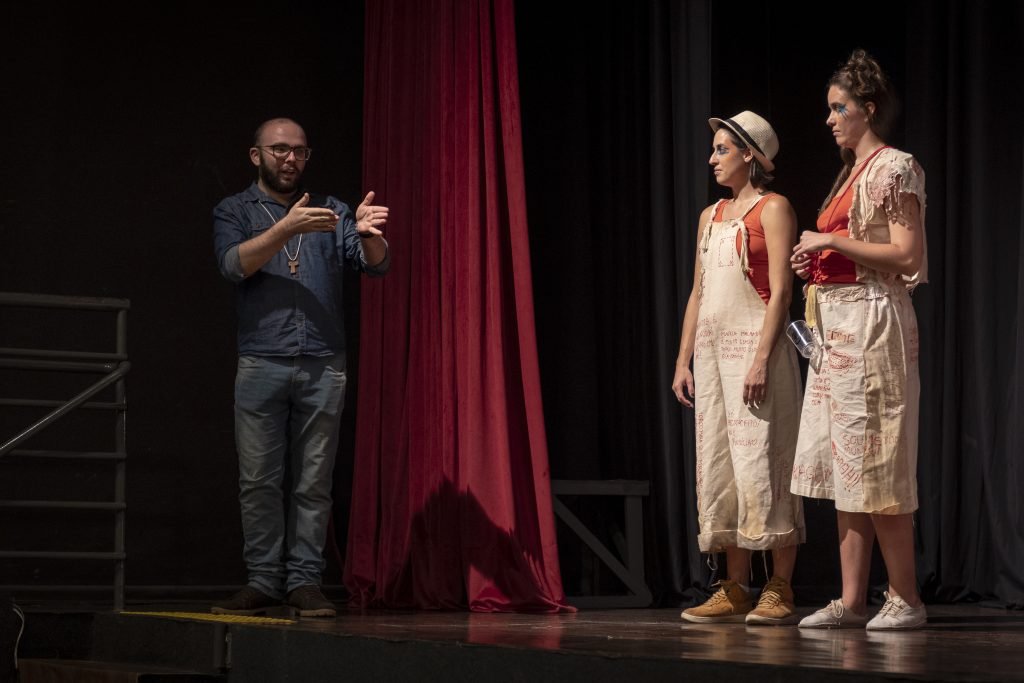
point(632, 572)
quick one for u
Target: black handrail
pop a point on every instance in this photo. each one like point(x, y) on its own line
point(87, 303)
point(65, 408)
point(113, 367)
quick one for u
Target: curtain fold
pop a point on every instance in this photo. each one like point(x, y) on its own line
point(451, 503)
point(615, 107)
point(680, 96)
point(617, 175)
point(971, 521)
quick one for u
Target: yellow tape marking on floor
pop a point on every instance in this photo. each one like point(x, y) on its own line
point(223, 618)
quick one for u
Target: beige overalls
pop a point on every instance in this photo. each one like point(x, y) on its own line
point(744, 453)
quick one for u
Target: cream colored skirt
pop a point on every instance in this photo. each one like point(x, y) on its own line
point(858, 428)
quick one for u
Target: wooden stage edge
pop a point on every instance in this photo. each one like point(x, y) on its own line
point(960, 643)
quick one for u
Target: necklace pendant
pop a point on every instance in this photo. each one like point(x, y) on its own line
point(293, 265)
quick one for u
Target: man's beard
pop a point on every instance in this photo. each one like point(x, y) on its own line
point(270, 178)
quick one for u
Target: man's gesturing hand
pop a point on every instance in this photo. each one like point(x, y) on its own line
point(303, 218)
point(369, 217)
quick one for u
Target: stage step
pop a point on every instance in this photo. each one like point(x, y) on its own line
point(79, 671)
point(59, 647)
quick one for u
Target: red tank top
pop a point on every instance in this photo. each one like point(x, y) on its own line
point(757, 249)
point(828, 266)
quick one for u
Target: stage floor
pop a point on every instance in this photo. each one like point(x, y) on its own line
point(960, 643)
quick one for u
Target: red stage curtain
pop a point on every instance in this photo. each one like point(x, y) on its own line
point(451, 501)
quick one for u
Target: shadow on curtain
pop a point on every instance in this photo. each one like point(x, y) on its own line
point(451, 502)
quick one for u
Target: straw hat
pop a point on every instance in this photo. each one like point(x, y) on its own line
point(756, 133)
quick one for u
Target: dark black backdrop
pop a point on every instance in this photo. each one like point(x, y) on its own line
point(615, 100)
point(121, 133)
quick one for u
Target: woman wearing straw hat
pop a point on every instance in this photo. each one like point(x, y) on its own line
point(858, 431)
point(745, 385)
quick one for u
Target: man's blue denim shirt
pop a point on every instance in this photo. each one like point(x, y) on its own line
point(281, 314)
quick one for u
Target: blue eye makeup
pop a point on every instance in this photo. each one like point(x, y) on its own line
point(840, 108)
point(721, 150)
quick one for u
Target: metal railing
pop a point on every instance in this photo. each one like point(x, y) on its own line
point(112, 366)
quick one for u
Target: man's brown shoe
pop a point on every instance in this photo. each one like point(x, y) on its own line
point(247, 602)
point(310, 602)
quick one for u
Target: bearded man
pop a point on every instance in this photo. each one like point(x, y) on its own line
point(286, 249)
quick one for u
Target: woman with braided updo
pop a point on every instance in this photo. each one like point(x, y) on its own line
point(858, 429)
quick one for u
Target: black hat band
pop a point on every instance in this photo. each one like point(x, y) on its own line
point(746, 137)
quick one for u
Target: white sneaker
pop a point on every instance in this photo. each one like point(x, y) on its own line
point(833, 615)
point(896, 614)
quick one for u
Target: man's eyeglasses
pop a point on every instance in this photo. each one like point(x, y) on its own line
point(282, 151)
